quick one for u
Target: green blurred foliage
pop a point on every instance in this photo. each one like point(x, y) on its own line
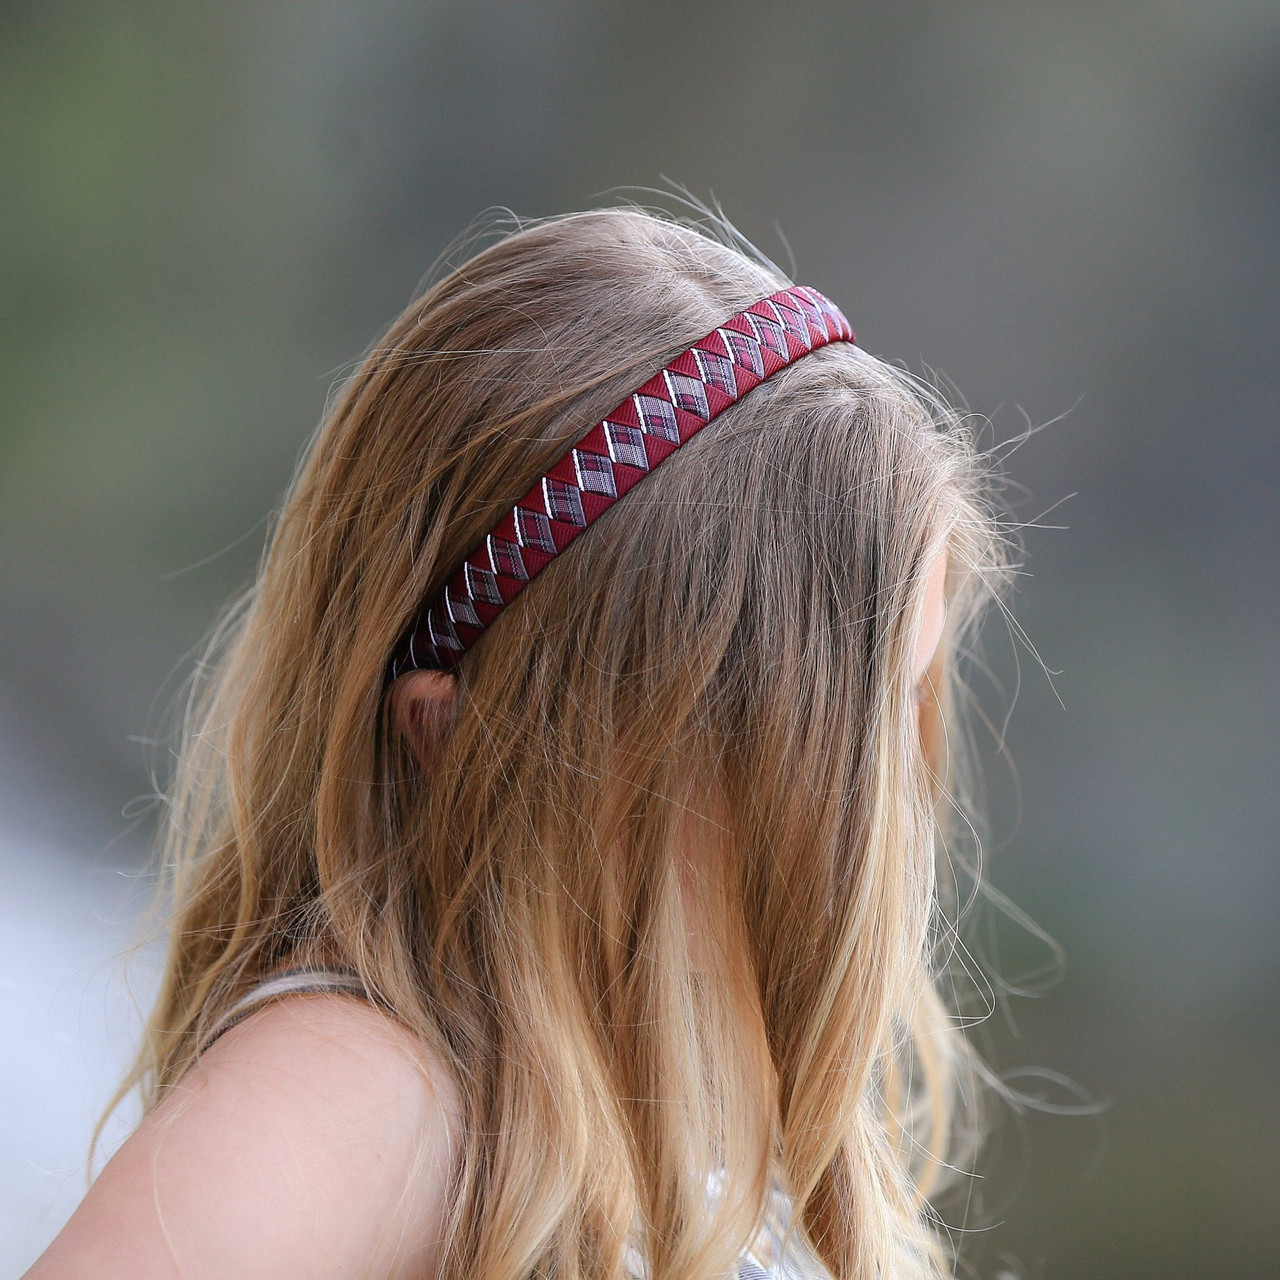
point(207, 212)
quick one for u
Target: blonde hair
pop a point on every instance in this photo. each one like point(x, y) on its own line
point(713, 682)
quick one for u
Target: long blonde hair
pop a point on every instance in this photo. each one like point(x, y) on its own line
point(713, 683)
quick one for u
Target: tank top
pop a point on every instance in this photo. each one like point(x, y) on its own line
point(772, 1255)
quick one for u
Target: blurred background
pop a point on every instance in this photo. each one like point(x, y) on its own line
point(1071, 211)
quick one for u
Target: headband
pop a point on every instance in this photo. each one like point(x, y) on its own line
point(618, 452)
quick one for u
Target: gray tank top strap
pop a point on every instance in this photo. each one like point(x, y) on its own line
point(288, 982)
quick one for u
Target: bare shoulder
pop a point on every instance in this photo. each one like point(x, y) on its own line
point(338, 1048)
point(318, 1136)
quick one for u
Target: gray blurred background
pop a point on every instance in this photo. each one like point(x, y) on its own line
point(206, 212)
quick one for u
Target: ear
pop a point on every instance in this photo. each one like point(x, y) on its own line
point(933, 617)
point(423, 707)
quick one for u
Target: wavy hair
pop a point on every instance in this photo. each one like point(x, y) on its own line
point(665, 898)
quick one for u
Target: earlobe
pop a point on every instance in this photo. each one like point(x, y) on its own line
point(423, 706)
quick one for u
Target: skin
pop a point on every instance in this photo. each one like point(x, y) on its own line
point(316, 1138)
point(933, 617)
point(285, 1152)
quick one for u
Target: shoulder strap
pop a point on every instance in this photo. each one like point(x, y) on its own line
point(288, 982)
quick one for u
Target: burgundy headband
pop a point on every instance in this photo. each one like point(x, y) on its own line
point(618, 452)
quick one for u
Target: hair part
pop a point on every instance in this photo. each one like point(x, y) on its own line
point(709, 696)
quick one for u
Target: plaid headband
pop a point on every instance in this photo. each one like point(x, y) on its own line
point(618, 452)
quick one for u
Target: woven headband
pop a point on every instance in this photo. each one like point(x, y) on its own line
point(618, 452)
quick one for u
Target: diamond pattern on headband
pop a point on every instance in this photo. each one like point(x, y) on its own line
point(791, 320)
point(505, 557)
point(482, 585)
point(745, 350)
point(458, 606)
point(615, 454)
point(687, 393)
point(443, 636)
point(811, 313)
point(657, 417)
point(533, 529)
point(563, 502)
point(716, 371)
point(769, 334)
point(594, 473)
point(626, 445)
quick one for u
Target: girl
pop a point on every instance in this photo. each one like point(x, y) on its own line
point(553, 845)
